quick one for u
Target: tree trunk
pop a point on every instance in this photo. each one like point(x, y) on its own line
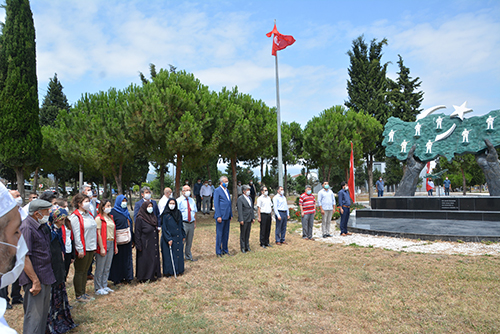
point(285, 184)
point(329, 173)
point(261, 170)
point(369, 170)
point(208, 172)
point(63, 186)
point(235, 183)
point(464, 182)
point(35, 181)
point(56, 184)
point(104, 187)
point(162, 178)
point(178, 168)
point(20, 181)
point(118, 179)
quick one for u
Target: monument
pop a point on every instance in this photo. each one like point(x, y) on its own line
point(466, 218)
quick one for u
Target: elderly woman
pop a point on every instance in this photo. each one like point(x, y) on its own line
point(122, 269)
point(146, 244)
point(84, 230)
point(106, 247)
point(172, 238)
point(59, 319)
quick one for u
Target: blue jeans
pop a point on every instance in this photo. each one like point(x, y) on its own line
point(281, 227)
point(344, 218)
point(380, 193)
point(447, 191)
point(429, 192)
point(222, 236)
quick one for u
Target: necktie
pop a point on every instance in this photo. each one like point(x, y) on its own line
point(189, 210)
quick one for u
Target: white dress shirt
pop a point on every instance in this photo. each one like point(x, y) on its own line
point(280, 204)
point(326, 199)
point(182, 205)
point(162, 203)
point(206, 191)
point(265, 204)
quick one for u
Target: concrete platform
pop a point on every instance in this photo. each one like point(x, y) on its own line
point(428, 229)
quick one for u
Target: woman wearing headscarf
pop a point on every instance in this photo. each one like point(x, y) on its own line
point(172, 236)
point(59, 319)
point(122, 269)
point(84, 230)
point(147, 244)
point(106, 247)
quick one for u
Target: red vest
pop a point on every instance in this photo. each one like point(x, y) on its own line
point(104, 234)
point(82, 230)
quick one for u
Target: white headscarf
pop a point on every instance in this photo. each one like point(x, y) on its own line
point(7, 202)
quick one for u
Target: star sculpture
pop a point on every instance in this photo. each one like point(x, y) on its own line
point(460, 111)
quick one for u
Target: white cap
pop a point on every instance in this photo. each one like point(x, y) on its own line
point(7, 202)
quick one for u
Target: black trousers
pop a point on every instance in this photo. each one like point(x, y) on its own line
point(15, 292)
point(265, 228)
point(198, 203)
point(67, 262)
point(245, 236)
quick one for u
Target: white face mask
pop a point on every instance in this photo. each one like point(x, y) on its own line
point(86, 206)
point(346, 188)
point(107, 210)
point(19, 200)
point(89, 193)
point(266, 192)
point(171, 206)
point(124, 205)
point(187, 193)
point(247, 192)
point(11, 276)
point(147, 196)
point(150, 210)
point(44, 220)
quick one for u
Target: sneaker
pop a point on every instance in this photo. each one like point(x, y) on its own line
point(88, 297)
point(101, 292)
point(108, 290)
point(82, 299)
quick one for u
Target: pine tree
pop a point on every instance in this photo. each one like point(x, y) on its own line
point(20, 134)
point(53, 102)
point(405, 100)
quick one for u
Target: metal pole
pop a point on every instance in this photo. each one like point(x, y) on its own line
point(280, 154)
point(80, 178)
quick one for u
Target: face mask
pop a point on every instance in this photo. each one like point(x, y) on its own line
point(147, 196)
point(248, 192)
point(206, 184)
point(224, 184)
point(187, 193)
point(89, 193)
point(11, 276)
point(107, 210)
point(346, 188)
point(171, 206)
point(266, 192)
point(187, 182)
point(150, 210)
point(124, 205)
point(44, 220)
point(308, 192)
point(327, 186)
point(251, 182)
point(19, 200)
point(86, 205)
point(280, 192)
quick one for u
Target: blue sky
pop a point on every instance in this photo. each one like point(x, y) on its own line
point(453, 46)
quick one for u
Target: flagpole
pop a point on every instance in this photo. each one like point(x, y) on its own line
point(278, 113)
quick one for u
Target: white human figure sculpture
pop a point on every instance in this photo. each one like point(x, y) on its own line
point(417, 129)
point(429, 146)
point(403, 146)
point(489, 121)
point(391, 135)
point(465, 136)
point(439, 122)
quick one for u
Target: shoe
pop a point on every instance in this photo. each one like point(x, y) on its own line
point(9, 306)
point(269, 245)
point(18, 301)
point(219, 255)
point(243, 251)
point(278, 243)
point(101, 292)
point(324, 235)
point(193, 260)
point(343, 234)
point(349, 233)
point(284, 243)
point(263, 246)
point(311, 239)
point(108, 290)
point(90, 277)
point(82, 299)
point(88, 297)
point(248, 250)
point(329, 235)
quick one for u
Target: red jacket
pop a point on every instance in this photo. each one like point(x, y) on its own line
point(82, 230)
point(104, 234)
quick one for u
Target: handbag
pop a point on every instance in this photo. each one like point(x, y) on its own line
point(123, 236)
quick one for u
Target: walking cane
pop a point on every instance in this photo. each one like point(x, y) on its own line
point(172, 258)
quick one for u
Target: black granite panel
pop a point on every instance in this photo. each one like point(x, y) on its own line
point(467, 203)
point(488, 203)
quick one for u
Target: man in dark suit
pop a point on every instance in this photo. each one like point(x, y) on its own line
point(146, 196)
point(344, 206)
point(223, 215)
point(253, 192)
point(245, 217)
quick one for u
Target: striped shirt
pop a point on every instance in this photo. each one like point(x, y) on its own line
point(308, 203)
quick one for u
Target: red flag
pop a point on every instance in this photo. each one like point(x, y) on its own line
point(280, 41)
point(350, 183)
point(427, 185)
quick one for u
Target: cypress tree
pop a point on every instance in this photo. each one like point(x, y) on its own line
point(20, 135)
point(53, 102)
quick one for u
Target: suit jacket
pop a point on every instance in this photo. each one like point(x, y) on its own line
point(222, 205)
point(245, 210)
point(156, 211)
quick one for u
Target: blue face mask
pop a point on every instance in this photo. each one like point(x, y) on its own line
point(308, 192)
point(224, 184)
point(327, 186)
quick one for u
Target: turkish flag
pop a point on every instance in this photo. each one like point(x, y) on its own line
point(280, 41)
point(350, 183)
